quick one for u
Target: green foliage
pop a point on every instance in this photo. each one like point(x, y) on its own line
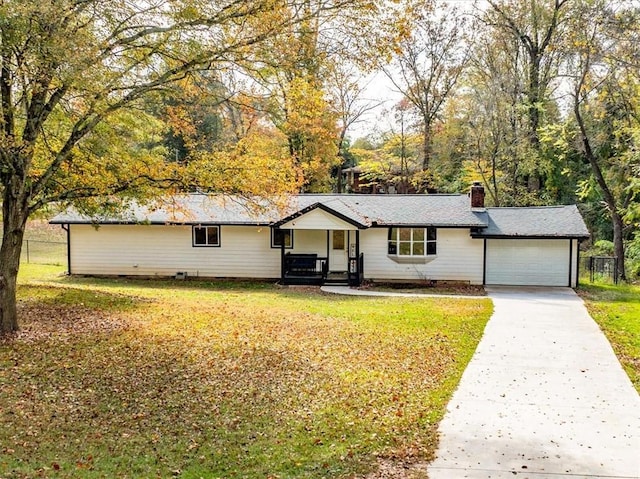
point(191, 379)
point(633, 257)
point(616, 310)
point(603, 247)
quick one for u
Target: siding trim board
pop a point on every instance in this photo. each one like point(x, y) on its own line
point(484, 261)
point(570, 261)
point(578, 264)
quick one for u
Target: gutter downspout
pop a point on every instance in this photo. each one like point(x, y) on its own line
point(67, 228)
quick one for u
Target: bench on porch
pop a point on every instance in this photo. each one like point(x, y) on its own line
point(304, 268)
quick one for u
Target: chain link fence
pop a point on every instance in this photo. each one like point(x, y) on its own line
point(600, 269)
point(43, 252)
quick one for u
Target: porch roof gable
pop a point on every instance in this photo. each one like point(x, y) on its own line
point(319, 216)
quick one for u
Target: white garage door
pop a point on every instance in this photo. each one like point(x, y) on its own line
point(528, 262)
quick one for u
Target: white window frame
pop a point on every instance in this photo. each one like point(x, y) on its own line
point(206, 244)
point(428, 242)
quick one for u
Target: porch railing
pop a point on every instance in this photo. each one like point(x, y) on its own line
point(356, 270)
point(304, 268)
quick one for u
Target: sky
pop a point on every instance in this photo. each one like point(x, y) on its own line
point(380, 89)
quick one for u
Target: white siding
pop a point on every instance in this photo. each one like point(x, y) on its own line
point(459, 258)
point(151, 250)
point(532, 262)
point(318, 219)
point(309, 241)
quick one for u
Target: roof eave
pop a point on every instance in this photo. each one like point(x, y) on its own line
point(156, 223)
point(517, 236)
point(422, 225)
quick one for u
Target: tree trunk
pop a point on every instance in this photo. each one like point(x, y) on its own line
point(9, 263)
point(14, 217)
point(533, 97)
point(534, 181)
point(426, 146)
point(618, 244)
point(609, 198)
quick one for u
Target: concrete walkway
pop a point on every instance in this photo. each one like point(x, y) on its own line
point(543, 397)
point(365, 292)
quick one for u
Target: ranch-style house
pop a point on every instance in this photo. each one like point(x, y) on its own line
point(333, 238)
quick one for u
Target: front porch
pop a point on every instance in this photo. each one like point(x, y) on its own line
point(311, 269)
point(319, 245)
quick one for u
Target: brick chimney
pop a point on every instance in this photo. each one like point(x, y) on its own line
point(477, 195)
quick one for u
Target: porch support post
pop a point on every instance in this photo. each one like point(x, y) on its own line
point(281, 261)
point(358, 273)
point(328, 246)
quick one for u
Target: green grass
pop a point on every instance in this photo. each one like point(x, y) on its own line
point(126, 378)
point(43, 244)
point(617, 310)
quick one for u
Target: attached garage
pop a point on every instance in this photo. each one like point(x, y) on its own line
point(535, 246)
point(532, 262)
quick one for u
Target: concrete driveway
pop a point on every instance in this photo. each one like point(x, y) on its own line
point(543, 397)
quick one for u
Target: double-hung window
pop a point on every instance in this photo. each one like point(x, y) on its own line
point(208, 235)
point(412, 242)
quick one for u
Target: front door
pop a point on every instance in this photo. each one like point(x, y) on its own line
point(338, 251)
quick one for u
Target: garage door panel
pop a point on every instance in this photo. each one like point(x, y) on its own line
point(527, 262)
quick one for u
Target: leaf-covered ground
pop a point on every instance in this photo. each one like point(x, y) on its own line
point(617, 310)
point(116, 378)
point(436, 287)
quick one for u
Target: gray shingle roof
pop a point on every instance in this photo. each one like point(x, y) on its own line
point(532, 222)
point(362, 210)
point(187, 209)
point(365, 210)
point(396, 210)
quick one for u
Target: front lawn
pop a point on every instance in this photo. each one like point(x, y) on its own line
point(617, 310)
point(123, 378)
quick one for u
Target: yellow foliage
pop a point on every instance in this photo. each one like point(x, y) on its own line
point(258, 165)
point(312, 132)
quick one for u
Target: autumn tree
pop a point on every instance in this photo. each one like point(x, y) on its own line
point(537, 27)
point(392, 163)
point(310, 127)
point(70, 68)
point(489, 111)
point(196, 111)
point(429, 60)
point(297, 72)
point(346, 93)
point(605, 91)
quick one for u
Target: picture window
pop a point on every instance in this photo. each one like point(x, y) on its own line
point(418, 242)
